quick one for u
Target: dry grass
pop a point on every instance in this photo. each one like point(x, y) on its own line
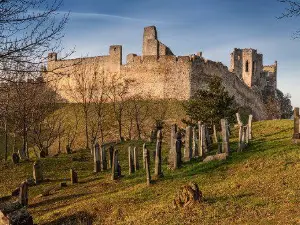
point(258, 186)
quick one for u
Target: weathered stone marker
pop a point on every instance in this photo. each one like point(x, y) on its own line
point(37, 172)
point(238, 118)
point(250, 126)
point(177, 158)
point(241, 142)
point(195, 144)
point(111, 155)
point(15, 158)
point(23, 194)
point(203, 146)
point(144, 162)
point(74, 177)
point(103, 161)
point(246, 128)
point(136, 159)
point(215, 133)
point(130, 160)
point(188, 150)
point(97, 166)
point(172, 152)
point(158, 159)
point(147, 165)
point(225, 137)
point(296, 124)
point(200, 137)
point(207, 136)
point(115, 164)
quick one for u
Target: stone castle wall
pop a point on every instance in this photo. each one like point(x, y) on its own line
point(160, 74)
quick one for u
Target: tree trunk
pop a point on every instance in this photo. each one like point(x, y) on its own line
point(86, 129)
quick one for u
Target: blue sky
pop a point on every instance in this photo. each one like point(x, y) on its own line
point(214, 27)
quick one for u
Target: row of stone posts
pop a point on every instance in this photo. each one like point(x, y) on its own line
point(245, 132)
point(196, 144)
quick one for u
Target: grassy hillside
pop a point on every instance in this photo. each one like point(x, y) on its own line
point(258, 186)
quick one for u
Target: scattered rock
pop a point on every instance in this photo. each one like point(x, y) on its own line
point(188, 195)
point(219, 157)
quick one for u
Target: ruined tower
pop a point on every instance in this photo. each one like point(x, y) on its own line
point(151, 44)
point(115, 53)
point(247, 64)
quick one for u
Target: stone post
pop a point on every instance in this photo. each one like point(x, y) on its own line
point(147, 165)
point(244, 139)
point(23, 194)
point(103, 158)
point(215, 134)
point(111, 155)
point(177, 158)
point(158, 171)
point(130, 161)
point(188, 151)
point(203, 148)
point(97, 166)
point(172, 152)
point(200, 137)
point(225, 137)
point(136, 159)
point(296, 124)
point(247, 134)
point(119, 171)
point(195, 144)
point(37, 172)
point(114, 165)
point(74, 177)
point(144, 162)
point(241, 144)
point(238, 118)
point(250, 126)
point(207, 136)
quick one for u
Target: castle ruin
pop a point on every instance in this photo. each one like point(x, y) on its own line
point(161, 74)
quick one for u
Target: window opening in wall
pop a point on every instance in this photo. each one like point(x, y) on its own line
point(247, 66)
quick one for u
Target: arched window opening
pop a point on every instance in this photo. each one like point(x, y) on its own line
point(247, 66)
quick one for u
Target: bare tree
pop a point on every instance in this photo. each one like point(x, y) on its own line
point(118, 95)
point(82, 85)
point(292, 10)
point(29, 29)
point(138, 113)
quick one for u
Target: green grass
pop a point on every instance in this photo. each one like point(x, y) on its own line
point(257, 186)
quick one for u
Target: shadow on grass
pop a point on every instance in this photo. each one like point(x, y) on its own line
point(80, 218)
point(55, 200)
point(279, 132)
point(226, 198)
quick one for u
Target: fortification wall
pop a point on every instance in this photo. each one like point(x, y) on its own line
point(203, 70)
point(63, 74)
point(163, 77)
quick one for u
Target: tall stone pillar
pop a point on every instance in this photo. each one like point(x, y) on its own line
point(188, 144)
point(158, 160)
point(225, 137)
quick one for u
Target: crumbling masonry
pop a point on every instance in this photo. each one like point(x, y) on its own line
point(163, 75)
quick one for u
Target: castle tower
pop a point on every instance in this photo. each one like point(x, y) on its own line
point(247, 64)
point(150, 42)
point(115, 54)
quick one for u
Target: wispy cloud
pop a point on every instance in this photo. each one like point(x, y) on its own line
point(84, 15)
